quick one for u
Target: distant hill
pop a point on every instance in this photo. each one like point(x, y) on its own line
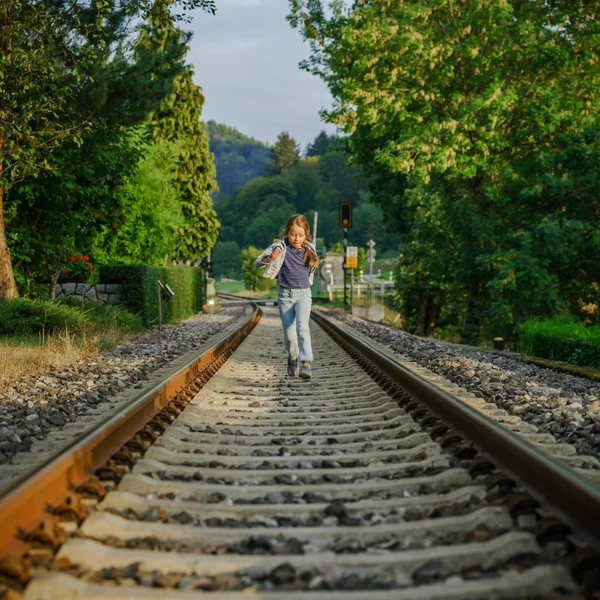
point(238, 158)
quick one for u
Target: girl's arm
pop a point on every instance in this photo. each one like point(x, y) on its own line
point(269, 255)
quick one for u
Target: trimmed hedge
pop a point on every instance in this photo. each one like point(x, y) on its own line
point(560, 340)
point(139, 292)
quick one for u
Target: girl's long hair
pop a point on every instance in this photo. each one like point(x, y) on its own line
point(300, 220)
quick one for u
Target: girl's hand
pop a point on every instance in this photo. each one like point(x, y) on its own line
point(275, 254)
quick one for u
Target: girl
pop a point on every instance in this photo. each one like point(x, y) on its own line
point(292, 260)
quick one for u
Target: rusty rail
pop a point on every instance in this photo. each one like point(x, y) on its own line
point(575, 500)
point(30, 500)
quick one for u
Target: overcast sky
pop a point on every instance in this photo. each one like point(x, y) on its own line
point(246, 61)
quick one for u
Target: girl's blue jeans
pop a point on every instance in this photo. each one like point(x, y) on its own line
point(294, 310)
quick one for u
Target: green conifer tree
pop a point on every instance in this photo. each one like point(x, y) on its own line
point(178, 121)
point(284, 154)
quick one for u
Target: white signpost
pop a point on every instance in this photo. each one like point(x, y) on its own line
point(371, 256)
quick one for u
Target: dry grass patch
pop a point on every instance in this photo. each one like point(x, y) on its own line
point(36, 335)
point(28, 356)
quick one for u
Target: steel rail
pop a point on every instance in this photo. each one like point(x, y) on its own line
point(246, 299)
point(25, 503)
point(576, 501)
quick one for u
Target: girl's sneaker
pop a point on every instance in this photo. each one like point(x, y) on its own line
point(305, 372)
point(292, 367)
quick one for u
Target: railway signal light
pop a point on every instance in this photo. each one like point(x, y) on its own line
point(345, 214)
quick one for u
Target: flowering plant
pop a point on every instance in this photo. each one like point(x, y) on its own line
point(77, 267)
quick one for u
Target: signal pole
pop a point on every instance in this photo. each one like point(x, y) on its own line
point(345, 269)
point(370, 256)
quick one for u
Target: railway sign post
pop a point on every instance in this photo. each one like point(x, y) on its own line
point(352, 257)
point(345, 222)
point(371, 256)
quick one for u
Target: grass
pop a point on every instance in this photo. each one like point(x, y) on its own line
point(36, 336)
point(233, 287)
point(560, 339)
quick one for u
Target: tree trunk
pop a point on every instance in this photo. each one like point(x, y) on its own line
point(431, 316)
point(8, 285)
point(53, 281)
point(466, 317)
point(422, 315)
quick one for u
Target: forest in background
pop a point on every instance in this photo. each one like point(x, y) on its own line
point(237, 157)
point(290, 182)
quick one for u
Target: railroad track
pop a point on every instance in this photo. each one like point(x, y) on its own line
point(249, 484)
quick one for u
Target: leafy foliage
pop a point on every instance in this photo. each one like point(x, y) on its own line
point(468, 121)
point(321, 144)
point(561, 340)
point(178, 121)
point(151, 213)
point(253, 276)
point(313, 184)
point(227, 260)
point(59, 213)
point(71, 75)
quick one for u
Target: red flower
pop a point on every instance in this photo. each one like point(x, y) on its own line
point(85, 258)
point(73, 258)
point(90, 266)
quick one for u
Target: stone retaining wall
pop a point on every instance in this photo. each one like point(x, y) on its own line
point(102, 293)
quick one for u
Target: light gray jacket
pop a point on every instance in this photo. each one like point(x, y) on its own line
point(271, 269)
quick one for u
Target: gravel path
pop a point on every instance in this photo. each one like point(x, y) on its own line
point(33, 406)
point(558, 403)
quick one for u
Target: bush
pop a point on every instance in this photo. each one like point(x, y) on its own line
point(22, 317)
point(32, 317)
point(139, 292)
point(253, 276)
point(561, 340)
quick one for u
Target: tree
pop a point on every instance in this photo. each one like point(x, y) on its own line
point(253, 276)
point(238, 158)
point(150, 215)
point(67, 69)
point(178, 120)
point(59, 213)
point(285, 153)
point(227, 260)
point(321, 144)
point(453, 103)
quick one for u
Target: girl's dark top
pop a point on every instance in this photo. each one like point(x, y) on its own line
point(294, 270)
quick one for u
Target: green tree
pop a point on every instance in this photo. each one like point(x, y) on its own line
point(227, 260)
point(464, 105)
point(59, 213)
point(178, 121)
point(238, 158)
point(151, 215)
point(320, 144)
point(253, 276)
point(67, 70)
point(285, 153)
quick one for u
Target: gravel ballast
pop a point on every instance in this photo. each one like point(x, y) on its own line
point(562, 404)
point(33, 406)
